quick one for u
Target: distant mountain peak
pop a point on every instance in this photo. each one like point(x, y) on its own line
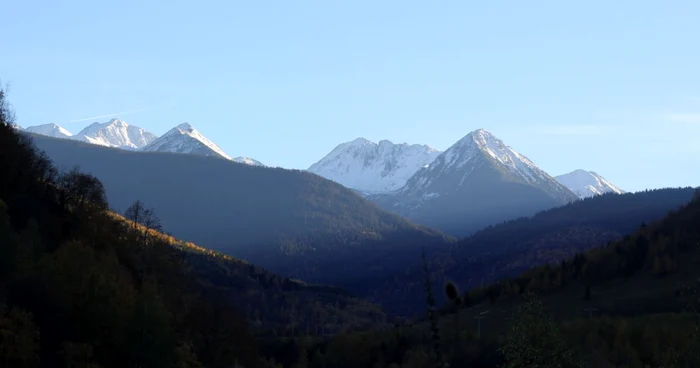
point(184, 138)
point(371, 167)
point(51, 130)
point(477, 181)
point(115, 133)
point(587, 183)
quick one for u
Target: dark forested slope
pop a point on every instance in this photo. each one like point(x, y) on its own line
point(289, 221)
point(559, 233)
point(631, 303)
point(83, 287)
point(547, 237)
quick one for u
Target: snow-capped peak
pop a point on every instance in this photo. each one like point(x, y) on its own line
point(115, 133)
point(587, 183)
point(372, 167)
point(185, 139)
point(482, 141)
point(51, 130)
point(456, 166)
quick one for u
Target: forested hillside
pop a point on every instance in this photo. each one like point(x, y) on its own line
point(558, 233)
point(514, 246)
point(291, 222)
point(83, 287)
point(631, 303)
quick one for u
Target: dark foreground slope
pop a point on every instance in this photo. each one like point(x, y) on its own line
point(291, 222)
point(631, 303)
point(83, 287)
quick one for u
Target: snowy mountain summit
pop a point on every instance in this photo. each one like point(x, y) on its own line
point(51, 130)
point(185, 139)
point(587, 183)
point(459, 163)
point(115, 133)
point(476, 182)
point(374, 167)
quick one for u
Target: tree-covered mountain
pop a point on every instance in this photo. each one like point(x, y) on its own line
point(291, 222)
point(81, 286)
point(558, 233)
point(548, 237)
point(633, 302)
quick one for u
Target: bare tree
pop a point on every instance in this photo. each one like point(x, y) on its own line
point(150, 221)
point(135, 213)
point(138, 214)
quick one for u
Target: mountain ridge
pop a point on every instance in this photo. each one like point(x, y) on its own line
point(115, 133)
point(371, 167)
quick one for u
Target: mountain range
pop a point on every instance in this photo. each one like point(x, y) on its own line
point(476, 182)
point(119, 134)
point(380, 168)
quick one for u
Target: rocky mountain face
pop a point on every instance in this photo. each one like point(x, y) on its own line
point(115, 133)
point(373, 168)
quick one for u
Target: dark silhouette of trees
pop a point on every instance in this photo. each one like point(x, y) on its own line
point(138, 214)
point(80, 191)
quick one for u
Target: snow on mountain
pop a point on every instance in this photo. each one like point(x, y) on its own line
point(115, 133)
point(587, 183)
point(371, 167)
point(476, 182)
point(51, 130)
point(247, 161)
point(185, 139)
point(478, 148)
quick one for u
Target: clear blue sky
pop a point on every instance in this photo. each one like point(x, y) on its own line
point(609, 86)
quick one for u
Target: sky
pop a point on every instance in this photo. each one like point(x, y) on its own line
point(608, 86)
